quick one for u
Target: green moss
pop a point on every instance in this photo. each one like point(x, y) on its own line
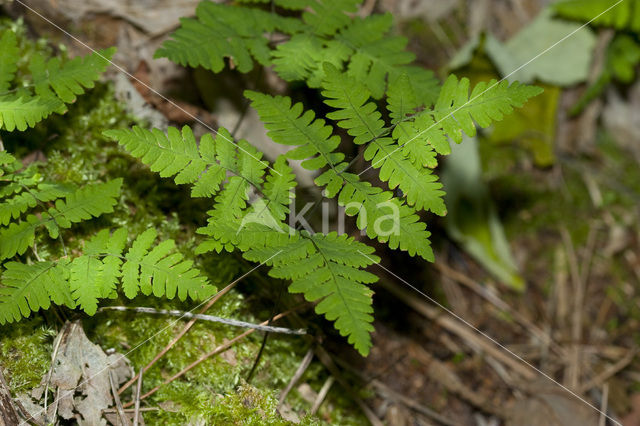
point(25, 353)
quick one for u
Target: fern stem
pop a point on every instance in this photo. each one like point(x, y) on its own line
point(212, 318)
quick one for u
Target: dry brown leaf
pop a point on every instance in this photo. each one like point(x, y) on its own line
point(80, 377)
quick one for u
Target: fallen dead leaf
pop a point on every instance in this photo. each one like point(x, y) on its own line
point(80, 378)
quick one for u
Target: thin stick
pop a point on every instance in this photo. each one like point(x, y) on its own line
point(304, 364)
point(603, 408)
point(131, 410)
point(116, 398)
point(322, 394)
point(498, 303)
point(204, 357)
point(609, 372)
point(182, 332)
point(203, 317)
point(54, 355)
point(330, 365)
point(136, 413)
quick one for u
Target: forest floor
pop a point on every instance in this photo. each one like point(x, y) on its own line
point(572, 226)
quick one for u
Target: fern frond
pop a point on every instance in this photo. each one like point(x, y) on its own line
point(28, 288)
point(85, 203)
point(23, 112)
point(328, 16)
point(456, 109)
point(221, 31)
point(324, 268)
point(9, 56)
point(161, 271)
point(12, 208)
point(362, 120)
point(205, 166)
point(68, 79)
point(95, 274)
point(376, 54)
point(290, 125)
point(622, 15)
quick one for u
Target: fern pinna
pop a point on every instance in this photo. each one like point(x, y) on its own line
point(45, 86)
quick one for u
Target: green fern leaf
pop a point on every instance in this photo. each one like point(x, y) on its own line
point(22, 112)
point(288, 125)
point(328, 16)
point(362, 120)
point(456, 110)
point(9, 56)
point(161, 271)
point(376, 55)
point(177, 154)
point(12, 208)
point(298, 58)
point(28, 288)
point(221, 31)
point(325, 268)
point(95, 274)
point(278, 188)
point(69, 79)
point(85, 203)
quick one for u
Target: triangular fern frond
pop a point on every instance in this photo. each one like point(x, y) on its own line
point(68, 79)
point(290, 125)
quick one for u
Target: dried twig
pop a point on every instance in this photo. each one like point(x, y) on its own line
point(136, 413)
point(204, 357)
point(184, 330)
point(608, 372)
point(327, 361)
point(203, 317)
point(114, 390)
point(576, 320)
point(65, 330)
point(468, 335)
point(322, 394)
point(304, 364)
